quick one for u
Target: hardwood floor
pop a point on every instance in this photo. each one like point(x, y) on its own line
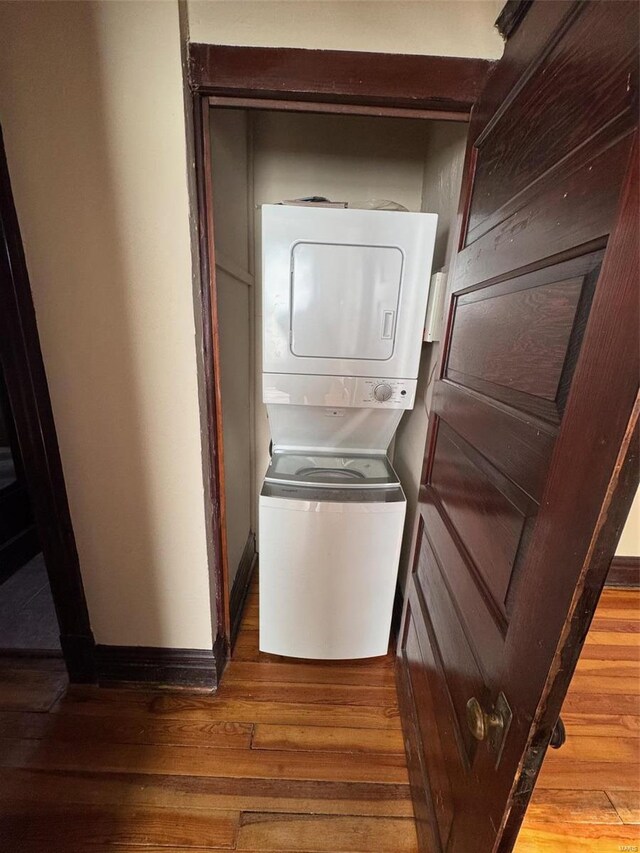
point(289, 756)
point(587, 799)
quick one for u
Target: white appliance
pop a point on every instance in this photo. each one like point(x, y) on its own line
point(344, 300)
point(331, 555)
point(344, 291)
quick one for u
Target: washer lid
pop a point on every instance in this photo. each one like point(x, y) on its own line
point(358, 472)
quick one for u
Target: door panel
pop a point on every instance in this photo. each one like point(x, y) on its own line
point(530, 417)
point(498, 333)
point(553, 217)
point(485, 621)
point(519, 447)
point(513, 154)
point(461, 674)
point(434, 745)
point(487, 523)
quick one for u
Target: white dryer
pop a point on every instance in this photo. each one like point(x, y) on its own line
point(344, 292)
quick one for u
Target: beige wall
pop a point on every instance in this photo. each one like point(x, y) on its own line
point(629, 544)
point(91, 104)
point(92, 111)
point(439, 27)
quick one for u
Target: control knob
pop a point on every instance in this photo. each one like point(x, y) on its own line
point(383, 392)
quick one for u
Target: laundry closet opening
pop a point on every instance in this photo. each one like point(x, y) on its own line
point(261, 157)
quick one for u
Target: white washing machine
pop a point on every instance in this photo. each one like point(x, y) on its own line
point(330, 536)
point(344, 300)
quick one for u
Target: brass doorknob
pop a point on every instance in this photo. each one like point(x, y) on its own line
point(479, 722)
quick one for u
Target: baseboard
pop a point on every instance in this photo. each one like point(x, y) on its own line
point(195, 668)
point(241, 584)
point(624, 572)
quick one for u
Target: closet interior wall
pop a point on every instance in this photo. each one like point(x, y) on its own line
point(442, 178)
point(263, 157)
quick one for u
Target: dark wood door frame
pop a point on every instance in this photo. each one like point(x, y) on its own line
point(28, 394)
point(351, 82)
point(288, 79)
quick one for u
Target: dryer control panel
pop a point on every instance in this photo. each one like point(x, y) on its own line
point(393, 391)
point(359, 392)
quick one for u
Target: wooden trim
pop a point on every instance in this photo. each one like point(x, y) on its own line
point(208, 294)
point(193, 668)
point(354, 78)
point(624, 572)
point(28, 394)
point(511, 17)
point(219, 575)
point(230, 102)
point(241, 584)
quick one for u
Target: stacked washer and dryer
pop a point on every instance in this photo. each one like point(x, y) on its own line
point(344, 299)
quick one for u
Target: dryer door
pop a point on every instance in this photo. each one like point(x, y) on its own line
point(344, 300)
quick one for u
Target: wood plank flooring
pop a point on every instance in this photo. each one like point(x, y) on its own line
point(587, 798)
point(290, 756)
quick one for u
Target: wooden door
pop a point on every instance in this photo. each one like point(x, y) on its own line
point(531, 457)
